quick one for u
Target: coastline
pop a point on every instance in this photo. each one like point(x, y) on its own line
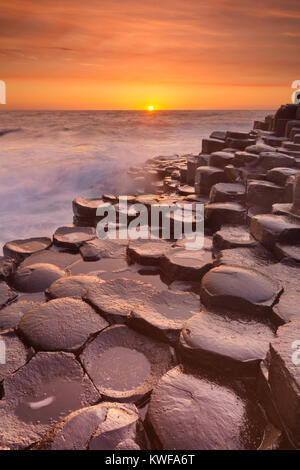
point(166, 324)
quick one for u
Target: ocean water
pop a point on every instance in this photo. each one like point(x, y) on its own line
point(49, 157)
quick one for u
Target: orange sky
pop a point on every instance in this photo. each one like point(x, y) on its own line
point(128, 54)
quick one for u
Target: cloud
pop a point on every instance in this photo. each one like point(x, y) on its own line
point(150, 41)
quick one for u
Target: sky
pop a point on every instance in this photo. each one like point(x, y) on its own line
point(129, 54)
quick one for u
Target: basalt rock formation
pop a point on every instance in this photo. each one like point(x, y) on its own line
point(158, 340)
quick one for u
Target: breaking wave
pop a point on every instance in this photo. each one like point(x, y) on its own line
point(49, 157)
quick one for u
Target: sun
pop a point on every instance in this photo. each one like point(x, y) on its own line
point(150, 108)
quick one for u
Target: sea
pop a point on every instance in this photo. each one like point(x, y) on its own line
point(47, 158)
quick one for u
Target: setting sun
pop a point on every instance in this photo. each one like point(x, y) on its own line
point(150, 108)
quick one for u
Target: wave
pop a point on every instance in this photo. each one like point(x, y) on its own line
point(9, 131)
point(61, 155)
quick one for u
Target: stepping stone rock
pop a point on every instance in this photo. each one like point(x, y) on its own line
point(286, 210)
point(106, 426)
point(190, 412)
point(280, 175)
point(240, 144)
point(130, 363)
point(7, 295)
point(72, 286)
point(232, 174)
point(186, 265)
point(229, 343)
point(270, 160)
point(212, 145)
point(116, 299)
point(40, 394)
point(259, 148)
point(59, 258)
point(60, 325)
point(15, 354)
point(87, 207)
point(20, 249)
point(291, 252)
point(109, 198)
point(147, 252)
point(72, 238)
point(236, 288)
point(105, 268)
point(164, 314)
point(257, 258)
point(226, 192)
point(245, 159)
point(220, 159)
point(264, 194)
point(284, 377)
point(221, 135)
point(12, 314)
point(186, 190)
point(237, 135)
point(233, 237)
point(192, 163)
point(206, 177)
point(219, 213)
point(269, 229)
point(36, 277)
point(288, 306)
point(96, 249)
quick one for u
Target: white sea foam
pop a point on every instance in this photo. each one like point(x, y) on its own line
point(56, 156)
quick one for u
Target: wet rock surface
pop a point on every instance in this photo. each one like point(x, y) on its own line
point(60, 259)
point(86, 207)
point(288, 306)
point(220, 213)
point(20, 249)
point(164, 314)
point(105, 426)
point(284, 377)
point(15, 354)
point(72, 286)
point(206, 177)
point(73, 237)
point(264, 194)
point(236, 288)
point(94, 250)
point(291, 252)
point(147, 252)
point(220, 159)
point(232, 343)
point(40, 394)
point(7, 295)
point(186, 265)
point(280, 175)
point(269, 229)
point(105, 268)
point(131, 363)
point(36, 277)
point(211, 416)
point(232, 237)
point(12, 314)
point(116, 299)
point(257, 258)
point(87, 319)
point(226, 192)
point(60, 325)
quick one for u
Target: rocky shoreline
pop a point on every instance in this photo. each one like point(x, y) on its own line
point(142, 344)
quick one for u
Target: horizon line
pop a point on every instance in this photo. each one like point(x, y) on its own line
point(142, 110)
